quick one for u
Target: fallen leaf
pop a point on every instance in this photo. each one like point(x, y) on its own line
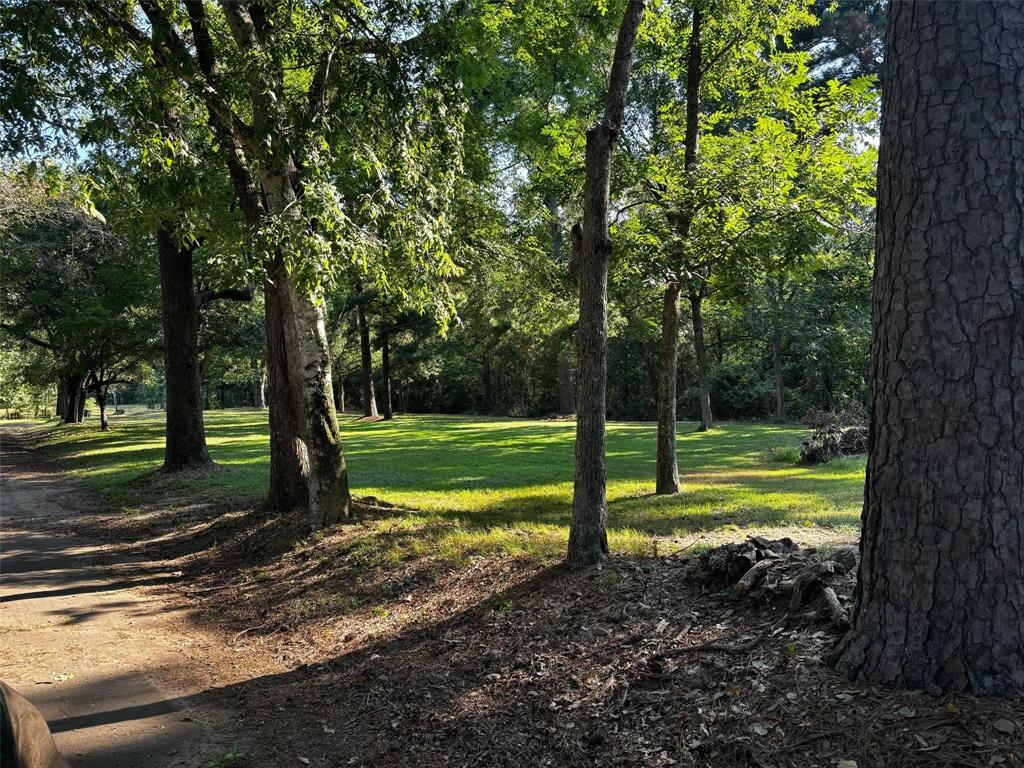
point(907, 712)
point(304, 760)
point(62, 677)
point(328, 729)
point(760, 729)
point(846, 764)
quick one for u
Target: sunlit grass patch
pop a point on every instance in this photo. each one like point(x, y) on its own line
point(492, 486)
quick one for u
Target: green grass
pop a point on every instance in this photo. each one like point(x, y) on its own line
point(498, 484)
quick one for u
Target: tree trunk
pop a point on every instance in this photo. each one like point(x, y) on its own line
point(666, 479)
point(369, 398)
point(700, 350)
point(486, 374)
point(588, 536)
point(72, 399)
point(667, 471)
point(62, 396)
point(185, 441)
point(940, 600)
point(566, 387)
point(80, 406)
point(385, 370)
point(307, 356)
point(101, 401)
point(288, 464)
point(780, 388)
point(259, 379)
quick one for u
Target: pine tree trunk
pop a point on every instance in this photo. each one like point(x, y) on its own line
point(185, 442)
point(940, 601)
point(667, 471)
point(701, 352)
point(780, 388)
point(385, 370)
point(369, 397)
point(566, 387)
point(588, 536)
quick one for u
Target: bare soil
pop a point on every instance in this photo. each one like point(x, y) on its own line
point(330, 656)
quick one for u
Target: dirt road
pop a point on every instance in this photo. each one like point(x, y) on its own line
point(116, 668)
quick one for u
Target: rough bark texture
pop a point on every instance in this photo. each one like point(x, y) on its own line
point(940, 602)
point(701, 353)
point(185, 442)
point(288, 488)
point(385, 371)
point(667, 470)
point(307, 354)
point(588, 536)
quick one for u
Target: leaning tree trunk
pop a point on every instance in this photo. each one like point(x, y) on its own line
point(369, 398)
point(667, 470)
point(701, 352)
point(185, 441)
point(588, 536)
point(385, 371)
point(940, 600)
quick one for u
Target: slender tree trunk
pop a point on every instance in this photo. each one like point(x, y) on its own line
point(566, 386)
point(780, 387)
point(588, 536)
point(259, 398)
point(369, 397)
point(62, 397)
point(666, 467)
point(80, 408)
point(185, 442)
point(667, 472)
point(486, 374)
point(385, 369)
point(940, 599)
point(101, 401)
point(700, 350)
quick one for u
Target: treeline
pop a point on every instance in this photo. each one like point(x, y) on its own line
point(413, 206)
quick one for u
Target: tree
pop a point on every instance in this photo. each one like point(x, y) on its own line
point(588, 536)
point(940, 598)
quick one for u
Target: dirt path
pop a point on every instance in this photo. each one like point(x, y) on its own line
point(114, 666)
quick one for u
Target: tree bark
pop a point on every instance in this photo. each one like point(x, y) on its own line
point(185, 441)
point(101, 401)
point(385, 370)
point(588, 536)
point(369, 398)
point(288, 464)
point(940, 599)
point(666, 480)
point(780, 387)
point(307, 355)
point(667, 471)
point(259, 378)
point(701, 353)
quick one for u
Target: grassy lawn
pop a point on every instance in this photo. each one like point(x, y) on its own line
point(487, 481)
